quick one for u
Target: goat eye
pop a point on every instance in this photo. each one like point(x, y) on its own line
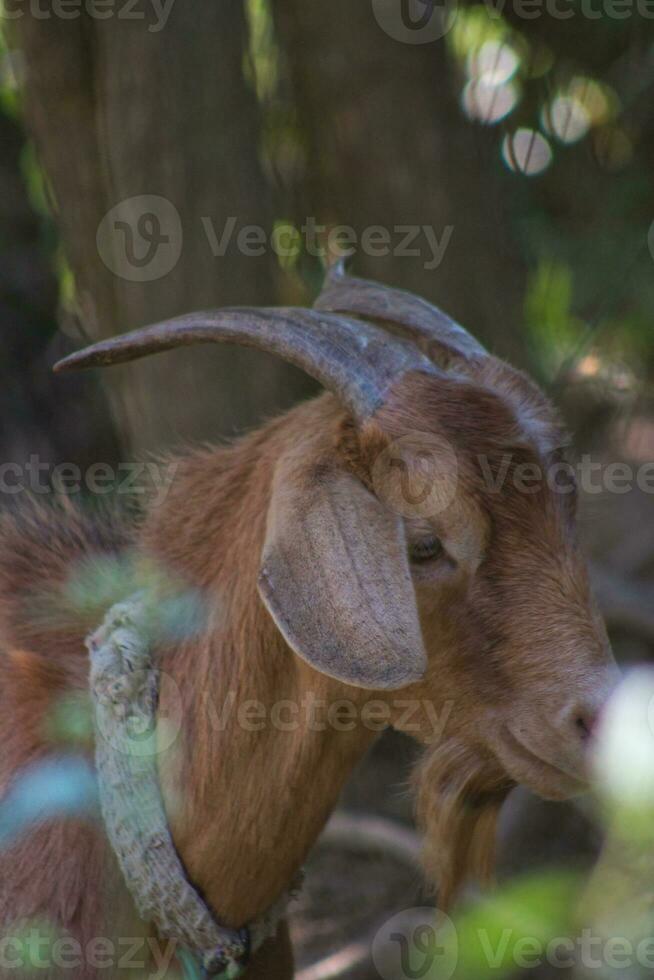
point(426, 550)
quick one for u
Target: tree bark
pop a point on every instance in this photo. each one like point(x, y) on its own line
point(388, 146)
point(127, 106)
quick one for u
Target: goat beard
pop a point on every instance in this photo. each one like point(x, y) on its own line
point(459, 794)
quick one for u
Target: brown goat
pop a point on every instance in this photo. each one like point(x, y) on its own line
point(360, 544)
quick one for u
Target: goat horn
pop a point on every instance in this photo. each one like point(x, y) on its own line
point(430, 328)
point(356, 361)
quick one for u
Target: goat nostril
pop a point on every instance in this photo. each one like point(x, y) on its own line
point(585, 725)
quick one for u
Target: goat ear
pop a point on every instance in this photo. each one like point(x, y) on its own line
point(335, 579)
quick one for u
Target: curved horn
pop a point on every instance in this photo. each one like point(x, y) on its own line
point(430, 328)
point(356, 361)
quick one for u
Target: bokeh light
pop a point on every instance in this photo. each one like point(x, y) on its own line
point(613, 148)
point(489, 103)
point(566, 118)
point(494, 63)
point(578, 106)
point(526, 152)
point(625, 745)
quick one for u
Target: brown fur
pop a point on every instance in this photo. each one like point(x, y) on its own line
point(246, 806)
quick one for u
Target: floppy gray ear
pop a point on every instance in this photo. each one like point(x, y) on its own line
point(335, 578)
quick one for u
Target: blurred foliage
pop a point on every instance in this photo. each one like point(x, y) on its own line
point(569, 106)
point(69, 721)
point(570, 109)
point(9, 81)
point(174, 610)
point(494, 933)
point(554, 331)
point(37, 187)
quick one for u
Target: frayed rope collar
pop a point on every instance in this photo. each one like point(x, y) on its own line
point(125, 694)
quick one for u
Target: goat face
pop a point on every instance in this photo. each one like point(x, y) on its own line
point(435, 551)
point(517, 654)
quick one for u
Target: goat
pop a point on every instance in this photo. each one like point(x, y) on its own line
point(358, 545)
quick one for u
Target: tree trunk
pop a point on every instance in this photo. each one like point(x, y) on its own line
point(129, 106)
point(388, 146)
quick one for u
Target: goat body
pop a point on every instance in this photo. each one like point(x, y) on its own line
point(313, 603)
point(242, 834)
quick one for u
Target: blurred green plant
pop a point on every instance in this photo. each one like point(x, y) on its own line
point(554, 331)
point(503, 930)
